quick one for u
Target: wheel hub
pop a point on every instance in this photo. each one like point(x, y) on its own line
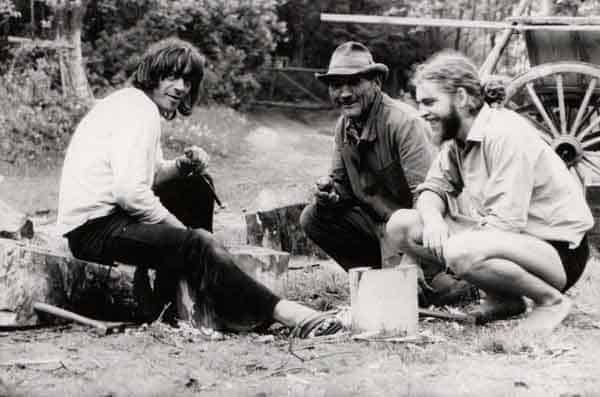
point(568, 148)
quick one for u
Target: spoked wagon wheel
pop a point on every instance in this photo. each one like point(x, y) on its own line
point(563, 100)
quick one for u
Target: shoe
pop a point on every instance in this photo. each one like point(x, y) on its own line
point(317, 324)
point(498, 308)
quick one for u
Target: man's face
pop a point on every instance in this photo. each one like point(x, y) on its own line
point(353, 94)
point(170, 92)
point(439, 109)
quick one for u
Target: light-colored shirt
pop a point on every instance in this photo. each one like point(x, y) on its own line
point(111, 162)
point(516, 182)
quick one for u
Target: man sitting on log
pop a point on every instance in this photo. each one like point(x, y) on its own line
point(527, 235)
point(121, 201)
point(381, 155)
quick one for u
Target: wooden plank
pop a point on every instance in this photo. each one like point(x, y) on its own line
point(554, 20)
point(406, 21)
point(303, 106)
point(302, 88)
point(450, 23)
point(295, 69)
point(38, 42)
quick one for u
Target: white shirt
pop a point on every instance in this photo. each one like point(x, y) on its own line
point(111, 162)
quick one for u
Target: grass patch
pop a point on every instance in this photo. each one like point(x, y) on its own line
point(32, 186)
point(317, 286)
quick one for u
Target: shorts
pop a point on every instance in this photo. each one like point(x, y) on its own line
point(573, 259)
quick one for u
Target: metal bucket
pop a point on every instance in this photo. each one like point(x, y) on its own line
point(384, 301)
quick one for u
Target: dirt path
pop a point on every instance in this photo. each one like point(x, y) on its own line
point(452, 360)
point(280, 157)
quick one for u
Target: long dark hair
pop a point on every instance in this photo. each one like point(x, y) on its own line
point(171, 57)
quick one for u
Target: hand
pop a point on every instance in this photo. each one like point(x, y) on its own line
point(195, 160)
point(435, 235)
point(326, 193)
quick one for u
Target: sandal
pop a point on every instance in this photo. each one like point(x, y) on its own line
point(317, 324)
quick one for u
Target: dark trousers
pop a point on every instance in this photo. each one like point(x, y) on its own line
point(348, 234)
point(236, 301)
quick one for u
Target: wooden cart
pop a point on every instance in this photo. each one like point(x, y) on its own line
point(560, 92)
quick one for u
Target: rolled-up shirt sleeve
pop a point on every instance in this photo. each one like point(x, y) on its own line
point(507, 193)
point(414, 151)
point(443, 177)
point(134, 155)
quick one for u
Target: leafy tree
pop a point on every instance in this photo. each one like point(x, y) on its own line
point(237, 36)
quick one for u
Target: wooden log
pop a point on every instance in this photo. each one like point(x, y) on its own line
point(44, 270)
point(13, 224)
point(31, 273)
point(279, 229)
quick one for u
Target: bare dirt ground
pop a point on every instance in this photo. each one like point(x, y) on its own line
point(280, 156)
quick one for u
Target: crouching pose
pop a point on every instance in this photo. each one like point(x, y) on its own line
point(528, 235)
point(121, 201)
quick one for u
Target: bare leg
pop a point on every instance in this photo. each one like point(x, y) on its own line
point(511, 264)
point(505, 265)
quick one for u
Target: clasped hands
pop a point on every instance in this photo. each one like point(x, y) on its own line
point(194, 160)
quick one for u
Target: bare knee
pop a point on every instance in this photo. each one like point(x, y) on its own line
point(464, 254)
point(403, 227)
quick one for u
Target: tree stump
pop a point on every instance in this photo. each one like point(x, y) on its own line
point(279, 229)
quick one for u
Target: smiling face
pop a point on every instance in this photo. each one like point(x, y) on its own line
point(439, 109)
point(353, 94)
point(170, 92)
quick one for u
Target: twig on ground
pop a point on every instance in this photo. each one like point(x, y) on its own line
point(162, 313)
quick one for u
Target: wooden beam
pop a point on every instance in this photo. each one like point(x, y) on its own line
point(38, 42)
point(489, 65)
point(301, 88)
point(296, 69)
point(405, 21)
point(303, 106)
point(454, 23)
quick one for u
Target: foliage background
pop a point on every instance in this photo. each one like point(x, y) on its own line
point(238, 37)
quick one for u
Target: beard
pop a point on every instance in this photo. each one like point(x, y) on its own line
point(450, 125)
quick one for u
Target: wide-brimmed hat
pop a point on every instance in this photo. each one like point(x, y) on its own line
point(351, 58)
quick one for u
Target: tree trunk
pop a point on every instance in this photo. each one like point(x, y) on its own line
point(69, 14)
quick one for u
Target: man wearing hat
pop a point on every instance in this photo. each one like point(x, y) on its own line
point(381, 155)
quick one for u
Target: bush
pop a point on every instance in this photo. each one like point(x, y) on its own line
point(235, 35)
point(40, 121)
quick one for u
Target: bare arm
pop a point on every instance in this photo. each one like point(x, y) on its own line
point(432, 208)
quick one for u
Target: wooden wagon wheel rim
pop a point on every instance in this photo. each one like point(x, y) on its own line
point(571, 126)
